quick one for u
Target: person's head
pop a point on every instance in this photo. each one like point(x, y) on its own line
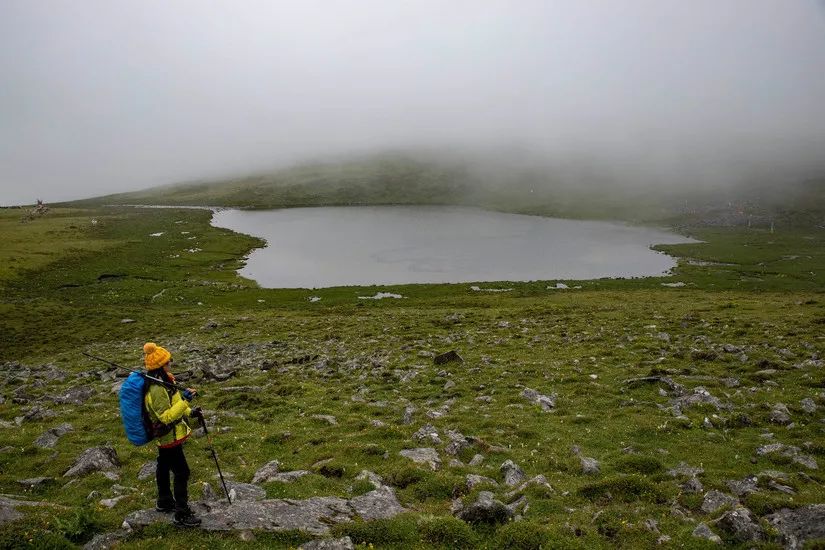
point(155, 357)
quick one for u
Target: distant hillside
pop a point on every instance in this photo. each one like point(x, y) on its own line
point(408, 179)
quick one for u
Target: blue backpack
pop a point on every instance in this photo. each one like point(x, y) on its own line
point(140, 429)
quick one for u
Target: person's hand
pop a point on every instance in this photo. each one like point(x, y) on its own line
point(189, 394)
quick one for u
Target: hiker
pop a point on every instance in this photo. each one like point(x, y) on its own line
point(171, 408)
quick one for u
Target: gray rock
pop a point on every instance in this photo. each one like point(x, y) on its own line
point(683, 469)
point(126, 321)
point(702, 531)
point(742, 487)
point(788, 451)
point(328, 418)
point(244, 491)
point(407, 417)
point(423, 455)
point(780, 414)
point(36, 482)
point(448, 385)
point(105, 541)
point(111, 502)
point(50, 437)
point(513, 475)
point(474, 481)
point(148, 470)
point(378, 504)
point(93, 460)
point(366, 475)
point(427, 432)
point(714, 500)
point(692, 485)
point(590, 466)
point(266, 472)
point(697, 396)
point(799, 525)
point(447, 357)
point(776, 486)
point(313, 515)
point(288, 477)
point(344, 543)
point(74, 396)
point(808, 405)
point(486, 509)
point(8, 514)
point(457, 443)
point(546, 402)
point(739, 524)
point(477, 460)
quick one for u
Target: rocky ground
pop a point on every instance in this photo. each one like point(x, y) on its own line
point(679, 425)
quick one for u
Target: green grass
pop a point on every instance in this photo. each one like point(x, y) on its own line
point(194, 303)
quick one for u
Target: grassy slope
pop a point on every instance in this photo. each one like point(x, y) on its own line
point(549, 340)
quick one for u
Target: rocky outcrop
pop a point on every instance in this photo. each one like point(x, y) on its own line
point(424, 455)
point(50, 437)
point(486, 509)
point(800, 525)
point(546, 402)
point(266, 472)
point(95, 459)
point(741, 527)
point(312, 515)
point(513, 475)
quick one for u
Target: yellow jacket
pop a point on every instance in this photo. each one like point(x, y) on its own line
point(171, 409)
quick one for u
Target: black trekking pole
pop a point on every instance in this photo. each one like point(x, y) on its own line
point(143, 374)
point(214, 456)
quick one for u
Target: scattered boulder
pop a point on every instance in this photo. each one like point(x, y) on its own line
point(407, 417)
point(111, 502)
point(702, 531)
point(373, 478)
point(105, 541)
point(288, 477)
point(546, 402)
point(808, 405)
point(344, 543)
point(714, 500)
point(590, 466)
point(485, 510)
point(799, 525)
point(739, 524)
point(474, 481)
point(427, 431)
point(148, 470)
point(788, 451)
point(457, 443)
point(683, 469)
point(477, 460)
point(423, 455)
point(36, 482)
point(313, 515)
point(74, 396)
point(780, 414)
point(266, 472)
point(698, 396)
point(742, 487)
point(50, 437)
point(378, 504)
point(513, 475)
point(692, 485)
point(93, 460)
point(447, 357)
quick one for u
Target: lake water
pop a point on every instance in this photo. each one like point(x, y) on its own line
point(384, 245)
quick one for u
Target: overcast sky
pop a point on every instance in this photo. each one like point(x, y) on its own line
point(106, 96)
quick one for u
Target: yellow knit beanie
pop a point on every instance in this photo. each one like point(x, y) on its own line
point(155, 356)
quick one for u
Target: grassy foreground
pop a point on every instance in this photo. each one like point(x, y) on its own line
point(747, 326)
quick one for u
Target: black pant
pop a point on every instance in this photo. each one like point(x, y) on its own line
point(172, 459)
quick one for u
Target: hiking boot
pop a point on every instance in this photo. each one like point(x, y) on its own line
point(165, 507)
point(186, 519)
